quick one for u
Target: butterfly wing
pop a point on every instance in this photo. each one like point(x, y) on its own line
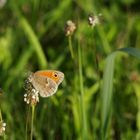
point(45, 85)
point(55, 75)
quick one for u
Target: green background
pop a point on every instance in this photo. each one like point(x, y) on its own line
point(32, 38)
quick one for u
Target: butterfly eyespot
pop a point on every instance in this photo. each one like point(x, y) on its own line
point(55, 75)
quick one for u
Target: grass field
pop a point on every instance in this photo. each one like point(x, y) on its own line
point(99, 98)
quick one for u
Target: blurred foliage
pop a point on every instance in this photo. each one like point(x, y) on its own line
point(32, 38)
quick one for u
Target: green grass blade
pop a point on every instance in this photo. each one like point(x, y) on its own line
point(106, 94)
point(131, 51)
point(107, 87)
point(83, 110)
point(33, 41)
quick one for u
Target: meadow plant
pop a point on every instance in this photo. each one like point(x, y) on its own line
point(70, 28)
point(2, 128)
point(93, 20)
point(2, 123)
point(31, 97)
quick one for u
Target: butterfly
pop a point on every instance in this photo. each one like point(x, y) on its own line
point(46, 81)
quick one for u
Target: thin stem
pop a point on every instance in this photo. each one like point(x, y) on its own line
point(138, 119)
point(27, 120)
point(84, 127)
point(70, 47)
point(0, 116)
point(32, 121)
point(98, 73)
point(96, 60)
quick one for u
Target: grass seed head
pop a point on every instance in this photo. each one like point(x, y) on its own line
point(31, 96)
point(2, 128)
point(70, 28)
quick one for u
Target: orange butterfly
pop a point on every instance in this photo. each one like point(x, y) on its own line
point(46, 81)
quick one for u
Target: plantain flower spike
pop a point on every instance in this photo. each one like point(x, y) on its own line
point(70, 28)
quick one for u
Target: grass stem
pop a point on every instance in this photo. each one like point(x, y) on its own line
point(0, 116)
point(70, 47)
point(27, 121)
point(32, 122)
point(84, 125)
